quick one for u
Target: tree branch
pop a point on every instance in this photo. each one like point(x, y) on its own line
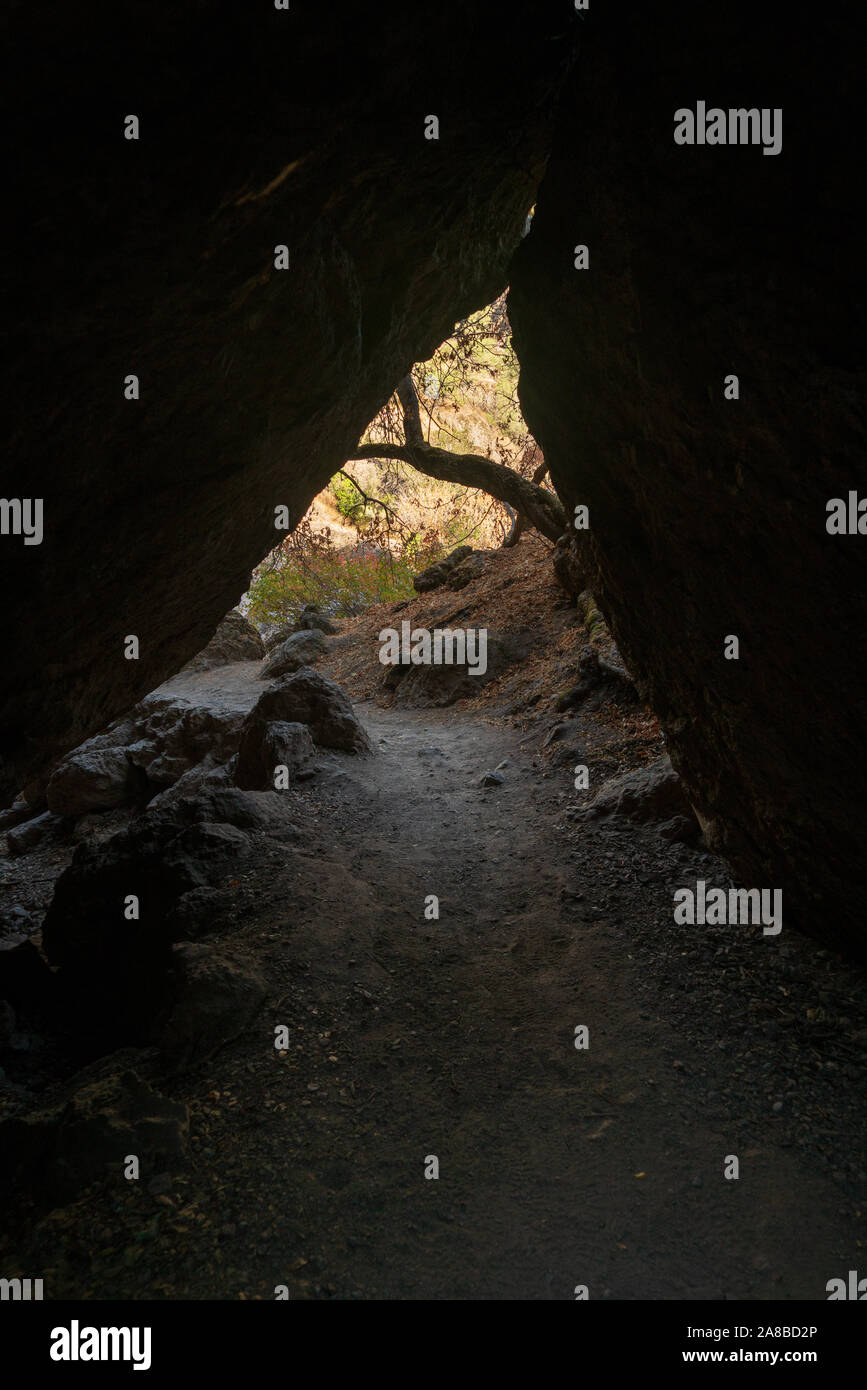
point(374, 502)
point(406, 394)
point(541, 508)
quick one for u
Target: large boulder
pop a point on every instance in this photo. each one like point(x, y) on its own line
point(93, 779)
point(236, 639)
point(174, 735)
point(270, 744)
point(436, 686)
point(300, 649)
point(654, 792)
point(437, 574)
point(203, 777)
point(34, 833)
point(249, 810)
point(309, 619)
point(310, 698)
point(114, 952)
point(159, 856)
point(312, 618)
point(166, 738)
point(472, 567)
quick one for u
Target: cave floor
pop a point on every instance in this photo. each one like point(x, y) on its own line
point(455, 1038)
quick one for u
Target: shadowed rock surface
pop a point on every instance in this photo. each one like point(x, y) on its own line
point(55, 1153)
point(267, 744)
point(707, 515)
point(159, 255)
point(236, 639)
point(650, 793)
point(436, 575)
point(212, 1000)
point(310, 698)
point(113, 965)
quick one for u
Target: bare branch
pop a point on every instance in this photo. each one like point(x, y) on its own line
point(375, 502)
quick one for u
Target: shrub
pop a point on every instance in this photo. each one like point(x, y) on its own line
point(307, 568)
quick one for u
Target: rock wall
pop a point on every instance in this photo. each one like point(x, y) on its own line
point(155, 257)
point(707, 515)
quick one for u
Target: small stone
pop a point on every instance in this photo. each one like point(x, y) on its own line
point(492, 779)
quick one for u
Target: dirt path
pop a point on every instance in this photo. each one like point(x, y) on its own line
point(455, 1038)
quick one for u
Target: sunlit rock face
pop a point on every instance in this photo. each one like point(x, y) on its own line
point(303, 128)
point(707, 515)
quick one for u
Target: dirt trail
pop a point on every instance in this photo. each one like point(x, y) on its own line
point(455, 1038)
point(472, 1058)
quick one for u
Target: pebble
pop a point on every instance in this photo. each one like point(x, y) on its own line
point(492, 779)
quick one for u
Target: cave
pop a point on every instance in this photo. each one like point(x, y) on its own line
point(235, 234)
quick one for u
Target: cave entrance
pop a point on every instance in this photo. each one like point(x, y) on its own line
point(448, 462)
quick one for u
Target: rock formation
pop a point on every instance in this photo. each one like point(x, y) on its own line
point(300, 649)
point(236, 639)
point(306, 129)
point(707, 515)
point(156, 258)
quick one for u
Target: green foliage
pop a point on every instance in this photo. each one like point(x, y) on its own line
point(346, 495)
point(308, 569)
